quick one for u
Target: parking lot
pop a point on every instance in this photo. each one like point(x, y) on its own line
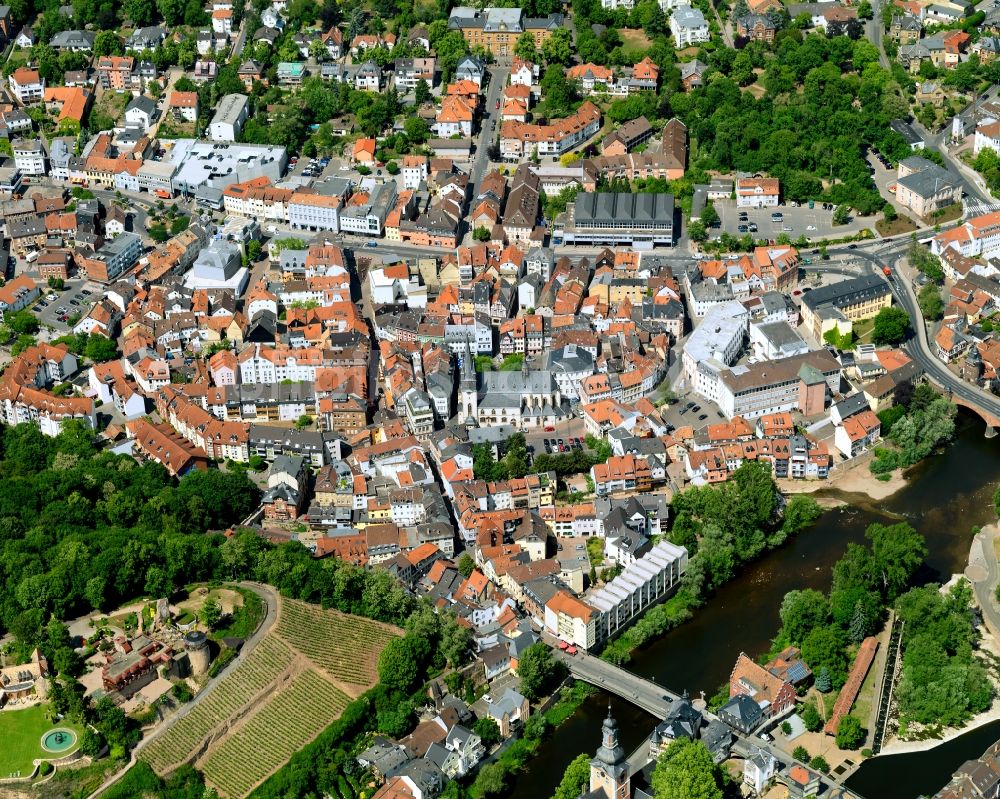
point(76, 298)
point(813, 223)
point(553, 444)
point(695, 412)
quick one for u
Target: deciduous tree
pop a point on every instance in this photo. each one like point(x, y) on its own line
point(539, 671)
point(850, 733)
point(891, 326)
point(686, 771)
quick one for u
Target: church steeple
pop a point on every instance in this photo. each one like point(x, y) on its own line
point(468, 389)
point(609, 769)
point(611, 751)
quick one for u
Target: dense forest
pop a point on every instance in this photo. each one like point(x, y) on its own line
point(86, 530)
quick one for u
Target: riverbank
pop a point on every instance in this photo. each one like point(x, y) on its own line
point(850, 478)
point(898, 747)
point(989, 643)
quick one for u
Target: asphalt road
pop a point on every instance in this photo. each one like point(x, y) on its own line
point(643, 693)
point(481, 162)
point(875, 32)
point(939, 142)
point(918, 345)
point(983, 554)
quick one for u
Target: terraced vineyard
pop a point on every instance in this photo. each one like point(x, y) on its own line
point(291, 718)
point(257, 672)
point(347, 647)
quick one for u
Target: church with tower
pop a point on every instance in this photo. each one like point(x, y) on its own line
point(610, 773)
point(528, 399)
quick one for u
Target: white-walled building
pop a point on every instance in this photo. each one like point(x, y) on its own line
point(688, 27)
point(29, 156)
point(714, 345)
point(772, 341)
point(314, 212)
point(571, 620)
point(230, 114)
point(757, 192)
point(977, 236)
point(641, 585)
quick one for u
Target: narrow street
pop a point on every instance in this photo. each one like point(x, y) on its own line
point(488, 131)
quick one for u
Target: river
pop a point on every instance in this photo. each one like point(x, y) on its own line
point(945, 497)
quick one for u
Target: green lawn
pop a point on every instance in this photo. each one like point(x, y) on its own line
point(862, 707)
point(21, 732)
point(863, 330)
point(634, 39)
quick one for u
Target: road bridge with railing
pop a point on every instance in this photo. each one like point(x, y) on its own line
point(657, 700)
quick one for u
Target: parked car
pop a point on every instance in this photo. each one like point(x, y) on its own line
point(743, 229)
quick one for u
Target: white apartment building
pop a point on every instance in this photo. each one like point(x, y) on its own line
point(368, 219)
point(419, 411)
point(230, 114)
point(314, 212)
point(29, 156)
point(414, 171)
point(519, 140)
point(987, 138)
point(271, 365)
point(715, 344)
point(524, 73)
point(26, 85)
point(641, 585)
point(571, 620)
point(977, 236)
point(688, 27)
